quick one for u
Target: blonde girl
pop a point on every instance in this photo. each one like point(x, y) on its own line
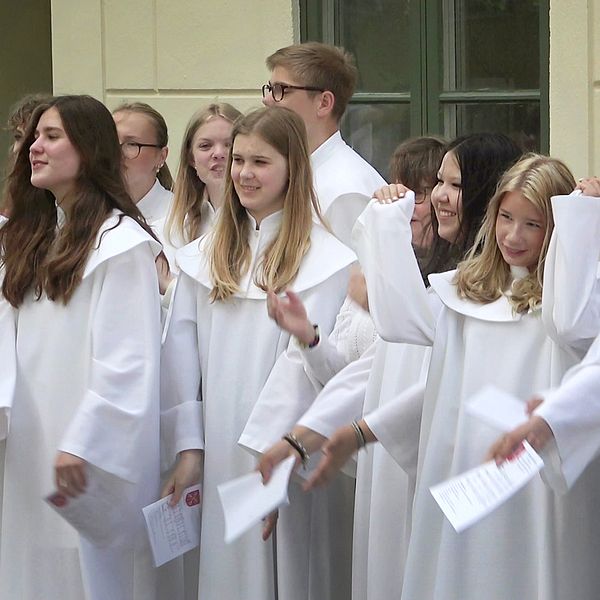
point(484, 323)
point(221, 345)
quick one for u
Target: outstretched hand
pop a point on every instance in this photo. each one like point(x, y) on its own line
point(273, 456)
point(289, 313)
point(336, 453)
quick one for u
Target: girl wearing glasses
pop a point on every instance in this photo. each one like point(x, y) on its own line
point(80, 337)
point(144, 137)
point(221, 345)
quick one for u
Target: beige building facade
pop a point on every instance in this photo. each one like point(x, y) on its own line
point(179, 55)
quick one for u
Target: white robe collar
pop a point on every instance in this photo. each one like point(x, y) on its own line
point(115, 238)
point(325, 257)
point(500, 310)
point(327, 149)
point(155, 204)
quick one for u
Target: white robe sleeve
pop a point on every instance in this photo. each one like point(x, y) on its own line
point(342, 400)
point(181, 408)
point(398, 301)
point(573, 413)
point(289, 391)
point(120, 407)
point(397, 426)
point(353, 333)
point(571, 297)
point(8, 363)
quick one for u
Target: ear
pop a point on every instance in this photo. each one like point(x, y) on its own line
point(326, 104)
point(164, 152)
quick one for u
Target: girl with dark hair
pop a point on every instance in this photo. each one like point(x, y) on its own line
point(220, 344)
point(80, 331)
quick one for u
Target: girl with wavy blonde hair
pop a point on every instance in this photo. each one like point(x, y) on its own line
point(485, 274)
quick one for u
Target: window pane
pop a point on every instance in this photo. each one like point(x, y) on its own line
point(520, 121)
point(374, 131)
point(490, 44)
point(378, 34)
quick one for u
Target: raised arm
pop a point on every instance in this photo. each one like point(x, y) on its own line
point(398, 301)
point(571, 296)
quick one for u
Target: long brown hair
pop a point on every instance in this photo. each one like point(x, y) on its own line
point(185, 217)
point(484, 275)
point(229, 253)
point(34, 255)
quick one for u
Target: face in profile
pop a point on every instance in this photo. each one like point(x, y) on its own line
point(55, 162)
point(18, 134)
point(140, 170)
point(259, 174)
point(210, 149)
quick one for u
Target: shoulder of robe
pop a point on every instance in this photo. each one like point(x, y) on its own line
point(500, 310)
point(325, 257)
point(118, 234)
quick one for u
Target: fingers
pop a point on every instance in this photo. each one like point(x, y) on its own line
point(533, 403)
point(323, 473)
point(390, 193)
point(269, 524)
point(168, 488)
point(265, 468)
point(505, 446)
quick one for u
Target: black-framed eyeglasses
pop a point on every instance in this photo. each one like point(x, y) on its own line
point(422, 195)
point(277, 90)
point(133, 149)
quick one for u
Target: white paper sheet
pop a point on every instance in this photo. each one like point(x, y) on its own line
point(497, 408)
point(174, 530)
point(246, 500)
point(98, 514)
point(469, 497)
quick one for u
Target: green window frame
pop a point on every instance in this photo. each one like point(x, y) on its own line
point(435, 108)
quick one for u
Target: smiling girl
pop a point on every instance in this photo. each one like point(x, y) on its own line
point(485, 326)
point(221, 345)
point(79, 324)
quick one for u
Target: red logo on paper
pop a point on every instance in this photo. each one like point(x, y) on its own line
point(58, 500)
point(193, 498)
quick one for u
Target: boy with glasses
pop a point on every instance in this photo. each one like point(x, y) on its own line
point(317, 81)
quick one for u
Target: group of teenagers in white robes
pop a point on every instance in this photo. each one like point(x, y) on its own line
point(88, 383)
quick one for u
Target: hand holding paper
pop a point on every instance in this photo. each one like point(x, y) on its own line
point(246, 500)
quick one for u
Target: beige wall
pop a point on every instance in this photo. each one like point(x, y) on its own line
point(180, 54)
point(176, 55)
point(575, 84)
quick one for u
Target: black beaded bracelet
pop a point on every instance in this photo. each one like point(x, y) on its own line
point(297, 445)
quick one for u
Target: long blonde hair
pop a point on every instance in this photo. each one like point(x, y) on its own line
point(484, 275)
point(185, 218)
point(229, 253)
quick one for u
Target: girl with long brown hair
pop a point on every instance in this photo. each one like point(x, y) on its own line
point(80, 331)
point(221, 345)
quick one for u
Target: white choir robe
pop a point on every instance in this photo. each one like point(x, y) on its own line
point(222, 353)
point(293, 384)
point(475, 345)
point(82, 379)
point(572, 410)
point(344, 182)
